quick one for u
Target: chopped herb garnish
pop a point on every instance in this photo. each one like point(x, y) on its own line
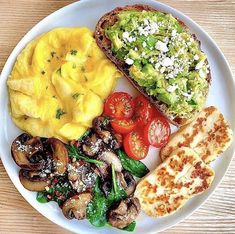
point(73, 52)
point(46, 87)
point(59, 113)
point(48, 60)
point(76, 95)
point(43, 72)
point(85, 78)
point(53, 54)
point(83, 69)
point(54, 96)
point(74, 66)
point(59, 71)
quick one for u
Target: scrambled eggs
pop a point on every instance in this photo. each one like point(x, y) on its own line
point(59, 83)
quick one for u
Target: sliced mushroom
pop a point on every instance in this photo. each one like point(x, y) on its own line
point(92, 145)
point(125, 212)
point(127, 181)
point(111, 158)
point(60, 155)
point(102, 170)
point(106, 187)
point(23, 150)
point(32, 182)
point(102, 128)
point(75, 207)
point(81, 176)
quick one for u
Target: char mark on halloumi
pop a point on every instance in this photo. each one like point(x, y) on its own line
point(208, 135)
point(166, 189)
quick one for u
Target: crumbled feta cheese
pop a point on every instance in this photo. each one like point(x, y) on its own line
point(170, 76)
point(202, 73)
point(167, 62)
point(161, 46)
point(146, 22)
point(125, 35)
point(144, 44)
point(148, 28)
point(135, 49)
point(129, 61)
point(154, 27)
point(143, 54)
point(162, 69)
point(196, 57)
point(172, 88)
point(199, 65)
point(187, 95)
point(173, 33)
point(127, 38)
point(157, 65)
point(151, 60)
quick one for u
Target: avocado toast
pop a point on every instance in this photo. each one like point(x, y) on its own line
point(159, 56)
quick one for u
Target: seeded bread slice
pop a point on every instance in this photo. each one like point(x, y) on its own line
point(104, 43)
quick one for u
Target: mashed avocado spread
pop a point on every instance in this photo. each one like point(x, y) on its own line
point(163, 58)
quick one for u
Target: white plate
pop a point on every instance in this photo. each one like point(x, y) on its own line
point(86, 13)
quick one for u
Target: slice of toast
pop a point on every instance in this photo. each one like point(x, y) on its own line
point(208, 135)
point(105, 44)
point(167, 188)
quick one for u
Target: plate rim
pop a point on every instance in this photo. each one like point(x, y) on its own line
point(23, 41)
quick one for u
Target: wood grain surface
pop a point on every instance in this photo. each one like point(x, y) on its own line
point(217, 17)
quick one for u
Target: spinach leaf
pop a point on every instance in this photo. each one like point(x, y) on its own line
point(97, 208)
point(59, 191)
point(135, 167)
point(130, 227)
point(75, 153)
point(41, 197)
point(117, 193)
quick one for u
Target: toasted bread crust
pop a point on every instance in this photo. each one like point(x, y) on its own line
point(104, 43)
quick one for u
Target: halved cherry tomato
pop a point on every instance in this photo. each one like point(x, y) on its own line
point(119, 105)
point(134, 145)
point(157, 132)
point(123, 126)
point(143, 110)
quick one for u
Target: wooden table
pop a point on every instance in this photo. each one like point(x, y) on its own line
point(217, 215)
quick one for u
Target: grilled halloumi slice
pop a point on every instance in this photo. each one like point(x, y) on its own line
point(166, 189)
point(208, 135)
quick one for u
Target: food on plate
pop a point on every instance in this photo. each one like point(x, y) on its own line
point(135, 145)
point(167, 188)
point(208, 135)
point(135, 167)
point(86, 162)
point(124, 126)
point(157, 132)
point(144, 111)
point(143, 126)
point(89, 178)
point(125, 212)
point(119, 105)
point(159, 56)
point(59, 82)
point(32, 180)
point(75, 207)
